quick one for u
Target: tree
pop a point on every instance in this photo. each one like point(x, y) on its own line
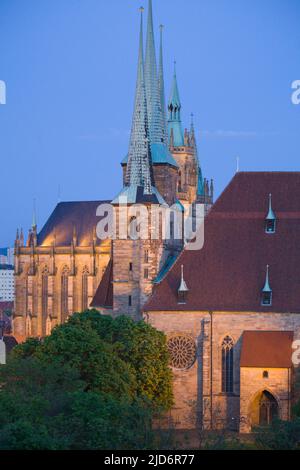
point(45, 406)
point(142, 347)
point(94, 383)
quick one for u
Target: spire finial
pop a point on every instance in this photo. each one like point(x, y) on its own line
point(34, 224)
point(192, 121)
point(183, 287)
point(267, 287)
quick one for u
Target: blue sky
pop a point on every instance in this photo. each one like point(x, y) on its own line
point(70, 69)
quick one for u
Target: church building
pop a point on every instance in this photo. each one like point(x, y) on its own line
point(65, 267)
point(230, 311)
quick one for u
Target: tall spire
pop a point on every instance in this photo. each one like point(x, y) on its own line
point(151, 84)
point(267, 287)
point(200, 181)
point(34, 224)
point(174, 108)
point(139, 160)
point(139, 181)
point(161, 84)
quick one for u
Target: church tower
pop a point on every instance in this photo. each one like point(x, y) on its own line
point(139, 250)
point(183, 146)
point(164, 166)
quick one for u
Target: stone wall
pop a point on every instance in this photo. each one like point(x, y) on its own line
point(28, 315)
point(199, 400)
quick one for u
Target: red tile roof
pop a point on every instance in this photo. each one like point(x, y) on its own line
point(267, 349)
point(229, 272)
point(104, 294)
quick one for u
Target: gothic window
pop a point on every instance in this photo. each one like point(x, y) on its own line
point(129, 301)
point(64, 294)
point(130, 267)
point(146, 273)
point(268, 409)
point(45, 295)
point(146, 256)
point(179, 181)
point(182, 351)
point(227, 365)
point(85, 274)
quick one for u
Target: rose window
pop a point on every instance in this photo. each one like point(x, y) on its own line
point(182, 350)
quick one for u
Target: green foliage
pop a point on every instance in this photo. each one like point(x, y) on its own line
point(142, 347)
point(281, 435)
point(44, 406)
point(94, 383)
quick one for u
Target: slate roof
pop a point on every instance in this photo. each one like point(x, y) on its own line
point(104, 294)
point(66, 216)
point(267, 349)
point(228, 274)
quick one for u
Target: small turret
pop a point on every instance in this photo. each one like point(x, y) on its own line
point(183, 289)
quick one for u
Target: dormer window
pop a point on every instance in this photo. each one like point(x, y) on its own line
point(267, 293)
point(183, 290)
point(270, 222)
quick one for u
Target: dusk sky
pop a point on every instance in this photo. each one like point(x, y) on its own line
point(70, 70)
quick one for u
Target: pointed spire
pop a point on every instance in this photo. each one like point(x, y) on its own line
point(139, 160)
point(139, 180)
point(34, 224)
point(200, 181)
point(183, 289)
point(154, 110)
point(267, 287)
point(21, 238)
point(174, 108)
point(161, 85)
point(271, 215)
point(17, 239)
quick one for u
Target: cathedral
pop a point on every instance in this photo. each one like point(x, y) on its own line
point(230, 310)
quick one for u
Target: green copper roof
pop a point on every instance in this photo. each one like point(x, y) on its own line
point(174, 97)
point(271, 215)
point(159, 155)
point(174, 120)
point(267, 287)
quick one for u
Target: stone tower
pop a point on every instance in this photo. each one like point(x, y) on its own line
point(139, 250)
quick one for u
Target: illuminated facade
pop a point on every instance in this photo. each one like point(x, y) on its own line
point(65, 267)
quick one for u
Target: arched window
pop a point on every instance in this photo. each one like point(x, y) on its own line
point(64, 294)
point(85, 275)
point(45, 295)
point(179, 181)
point(227, 365)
